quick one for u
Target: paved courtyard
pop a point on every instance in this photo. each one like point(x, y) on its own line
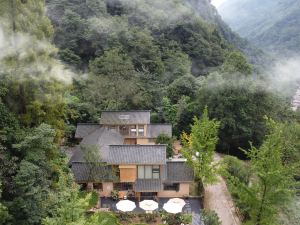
point(192, 206)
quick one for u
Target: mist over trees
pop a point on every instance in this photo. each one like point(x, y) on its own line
point(65, 61)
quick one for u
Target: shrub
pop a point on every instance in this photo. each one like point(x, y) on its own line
point(210, 218)
point(125, 217)
point(148, 218)
point(115, 194)
point(176, 219)
point(237, 168)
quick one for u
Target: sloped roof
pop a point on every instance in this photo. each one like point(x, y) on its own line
point(101, 138)
point(84, 172)
point(179, 172)
point(156, 129)
point(137, 154)
point(84, 129)
point(150, 185)
point(125, 117)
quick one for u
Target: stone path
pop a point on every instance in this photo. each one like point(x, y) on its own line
point(218, 198)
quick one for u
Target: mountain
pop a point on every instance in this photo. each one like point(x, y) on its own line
point(272, 25)
point(85, 29)
point(210, 14)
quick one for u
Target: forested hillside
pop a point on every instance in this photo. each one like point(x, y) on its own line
point(65, 61)
point(273, 25)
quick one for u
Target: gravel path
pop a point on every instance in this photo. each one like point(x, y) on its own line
point(218, 198)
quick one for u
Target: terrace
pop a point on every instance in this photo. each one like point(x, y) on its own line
point(192, 207)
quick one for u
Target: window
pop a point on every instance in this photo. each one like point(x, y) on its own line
point(141, 130)
point(171, 187)
point(155, 172)
point(97, 186)
point(148, 172)
point(123, 186)
point(124, 130)
point(141, 172)
point(133, 130)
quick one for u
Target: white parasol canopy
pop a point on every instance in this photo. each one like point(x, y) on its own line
point(125, 205)
point(177, 201)
point(148, 205)
point(172, 208)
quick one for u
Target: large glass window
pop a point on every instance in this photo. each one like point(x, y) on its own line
point(148, 172)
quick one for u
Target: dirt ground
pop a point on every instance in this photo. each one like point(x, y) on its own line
point(218, 198)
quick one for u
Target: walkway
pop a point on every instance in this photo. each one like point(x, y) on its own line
point(218, 198)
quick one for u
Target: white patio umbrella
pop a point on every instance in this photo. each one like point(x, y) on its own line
point(148, 205)
point(172, 208)
point(177, 201)
point(125, 205)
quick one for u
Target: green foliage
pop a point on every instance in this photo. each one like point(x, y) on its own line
point(165, 139)
point(240, 104)
point(235, 62)
point(210, 218)
point(199, 147)
point(176, 219)
point(4, 214)
point(183, 86)
point(237, 168)
point(273, 184)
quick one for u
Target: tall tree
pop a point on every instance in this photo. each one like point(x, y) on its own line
point(273, 184)
point(200, 145)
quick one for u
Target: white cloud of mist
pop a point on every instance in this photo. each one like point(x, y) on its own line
point(284, 76)
point(157, 12)
point(217, 3)
point(23, 56)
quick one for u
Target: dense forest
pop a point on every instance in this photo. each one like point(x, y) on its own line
point(65, 61)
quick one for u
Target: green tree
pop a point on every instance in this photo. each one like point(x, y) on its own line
point(235, 62)
point(273, 184)
point(97, 169)
point(4, 214)
point(165, 139)
point(240, 104)
point(183, 86)
point(112, 82)
point(200, 145)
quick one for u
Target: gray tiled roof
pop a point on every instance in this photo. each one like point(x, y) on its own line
point(150, 185)
point(137, 154)
point(179, 172)
point(125, 117)
point(101, 138)
point(84, 129)
point(156, 129)
point(84, 172)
